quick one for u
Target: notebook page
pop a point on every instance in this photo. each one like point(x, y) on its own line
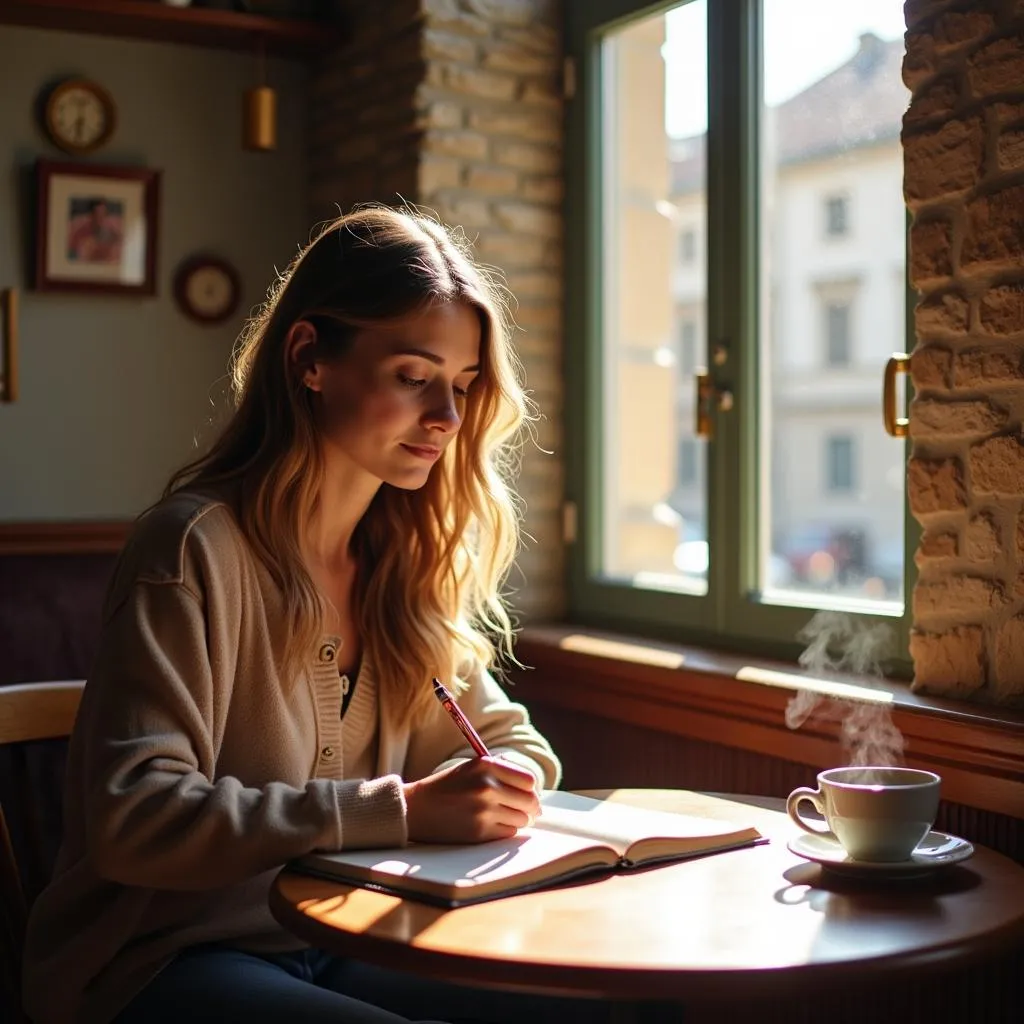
point(617, 824)
point(459, 866)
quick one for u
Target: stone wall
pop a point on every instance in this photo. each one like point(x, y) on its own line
point(455, 106)
point(964, 184)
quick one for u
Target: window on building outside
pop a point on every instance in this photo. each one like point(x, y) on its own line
point(687, 470)
point(687, 348)
point(837, 334)
point(688, 247)
point(840, 472)
point(700, 518)
point(836, 213)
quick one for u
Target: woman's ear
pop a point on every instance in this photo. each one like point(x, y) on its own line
point(300, 347)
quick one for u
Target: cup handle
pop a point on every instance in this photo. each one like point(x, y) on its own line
point(793, 805)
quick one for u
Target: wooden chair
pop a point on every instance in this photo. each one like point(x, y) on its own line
point(28, 712)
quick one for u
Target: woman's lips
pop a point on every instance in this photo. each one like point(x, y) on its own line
point(422, 452)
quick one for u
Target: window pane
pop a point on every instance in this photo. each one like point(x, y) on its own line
point(653, 299)
point(830, 158)
point(835, 214)
point(837, 327)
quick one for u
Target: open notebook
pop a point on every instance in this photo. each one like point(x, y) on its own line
point(574, 835)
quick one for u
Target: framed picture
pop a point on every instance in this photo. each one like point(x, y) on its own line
point(96, 229)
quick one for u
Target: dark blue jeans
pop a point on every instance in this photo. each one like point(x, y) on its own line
point(218, 985)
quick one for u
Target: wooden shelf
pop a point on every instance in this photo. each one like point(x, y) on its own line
point(194, 26)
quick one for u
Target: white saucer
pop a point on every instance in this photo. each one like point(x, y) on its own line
point(937, 850)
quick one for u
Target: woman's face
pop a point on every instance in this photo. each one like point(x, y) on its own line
point(394, 401)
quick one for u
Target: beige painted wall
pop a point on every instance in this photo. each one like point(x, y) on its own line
point(114, 390)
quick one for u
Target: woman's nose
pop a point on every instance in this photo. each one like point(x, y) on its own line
point(444, 414)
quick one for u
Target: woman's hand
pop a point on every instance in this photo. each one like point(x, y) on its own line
point(486, 798)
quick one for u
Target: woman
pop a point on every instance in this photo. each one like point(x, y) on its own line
point(262, 687)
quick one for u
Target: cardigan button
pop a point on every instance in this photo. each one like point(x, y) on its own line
point(327, 653)
point(327, 754)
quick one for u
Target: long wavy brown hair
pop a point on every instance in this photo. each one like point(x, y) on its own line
point(433, 561)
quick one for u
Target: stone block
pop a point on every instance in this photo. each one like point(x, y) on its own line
point(518, 122)
point(931, 251)
point(494, 181)
point(997, 467)
point(1007, 676)
point(526, 156)
point(514, 12)
point(529, 219)
point(932, 418)
point(942, 312)
point(984, 367)
point(954, 29)
point(542, 38)
point(994, 235)
point(1001, 310)
point(936, 485)
point(448, 47)
point(544, 189)
point(944, 161)
point(1010, 149)
point(449, 16)
point(997, 67)
point(918, 59)
point(438, 114)
point(515, 59)
point(438, 172)
point(463, 144)
point(951, 663)
point(969, 598)
point(936, 544)
point(930, 367)
point(935, 100)
point(488, 85)
point(982, 538)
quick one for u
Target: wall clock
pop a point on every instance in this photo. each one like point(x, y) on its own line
point(79, 116)
point(207, 289)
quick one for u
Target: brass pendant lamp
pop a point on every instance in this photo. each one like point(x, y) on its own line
point(259, 111)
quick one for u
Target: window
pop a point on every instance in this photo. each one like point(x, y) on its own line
point(837, 334)
point(688, 247)
point(687, 472)
point(836, 216)
point(700, 514)
point(839, 467)
point(687, 348)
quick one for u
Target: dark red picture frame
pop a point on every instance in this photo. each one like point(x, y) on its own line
point(94, 228)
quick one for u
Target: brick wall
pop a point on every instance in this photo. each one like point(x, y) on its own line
point(964, 184)
point(455, 105)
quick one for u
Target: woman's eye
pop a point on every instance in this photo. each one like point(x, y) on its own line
point(411, 382)
point(461, 392)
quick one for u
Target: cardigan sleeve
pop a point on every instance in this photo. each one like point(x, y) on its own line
point(503, 725)
point(155, 816)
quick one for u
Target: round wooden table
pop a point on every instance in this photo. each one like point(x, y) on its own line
point(745, 923)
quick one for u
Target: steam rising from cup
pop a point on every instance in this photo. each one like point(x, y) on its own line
point(838, 644)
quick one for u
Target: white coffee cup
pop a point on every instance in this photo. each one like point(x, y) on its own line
point(874, 813)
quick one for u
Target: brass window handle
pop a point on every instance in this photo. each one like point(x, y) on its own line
point(708, 396)
point(895, 425)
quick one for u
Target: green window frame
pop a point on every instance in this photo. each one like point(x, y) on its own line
point(729, 616)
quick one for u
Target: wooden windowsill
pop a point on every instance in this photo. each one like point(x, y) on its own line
point(741, 703)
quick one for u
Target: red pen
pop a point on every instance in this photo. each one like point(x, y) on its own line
point(453, 709)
